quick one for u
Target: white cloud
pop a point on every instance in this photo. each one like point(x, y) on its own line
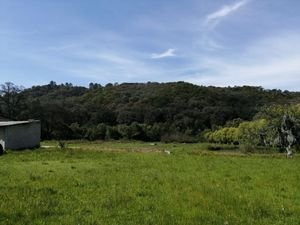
point(272, 63)
point(111, 62)
point(213, 19)
point(169, 53)
point(272, 74)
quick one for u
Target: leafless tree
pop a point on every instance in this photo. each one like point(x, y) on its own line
point(10, 98)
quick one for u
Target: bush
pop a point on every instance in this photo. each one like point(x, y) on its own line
point(134, 131)
point(101, 131)
point(112, 133)
point(62, 145)
point(222, 136)
point(253, 133)
point(77, 132)
point(96, 133)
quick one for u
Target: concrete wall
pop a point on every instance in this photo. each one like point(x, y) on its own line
point(23, 136)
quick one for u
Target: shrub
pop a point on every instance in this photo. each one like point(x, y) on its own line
point(222, 136)
point(96, 133)
point(112, 133)
point(62, 145)
point(253, 133)
point(77, 132)
point(101, 131)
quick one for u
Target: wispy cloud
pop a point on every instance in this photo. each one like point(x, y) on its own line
point(169, 53)
point(213, 19)
point(112, 66)
point(208, 43)
point(272, 62)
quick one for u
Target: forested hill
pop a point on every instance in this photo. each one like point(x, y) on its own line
point(134, 110)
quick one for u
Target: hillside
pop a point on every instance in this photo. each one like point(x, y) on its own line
point(145, 110)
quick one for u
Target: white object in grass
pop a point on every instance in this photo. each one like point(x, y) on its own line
point(167, 152)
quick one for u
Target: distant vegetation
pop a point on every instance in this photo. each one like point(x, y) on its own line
point(263, 131)
point(178, 111)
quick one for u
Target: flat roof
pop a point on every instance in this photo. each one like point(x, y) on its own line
point(12, 123)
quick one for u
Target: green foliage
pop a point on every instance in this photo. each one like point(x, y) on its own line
point(234, 123)
point(62, 145)
point(274, 115)
point(154, 132)
point(112, 133)
point(77, 131)
point(96, 132)
point(223, 135)
point(10, 99)
point(253, 133)
point(262, 131)
point(137, 111)
point(134, 131)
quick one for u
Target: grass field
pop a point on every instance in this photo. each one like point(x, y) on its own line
point(136, 183)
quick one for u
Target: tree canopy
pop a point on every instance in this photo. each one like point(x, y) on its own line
point(143, 111)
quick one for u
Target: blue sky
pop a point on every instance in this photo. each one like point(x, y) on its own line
point(220, 42)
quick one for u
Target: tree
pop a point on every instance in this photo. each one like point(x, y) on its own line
point(10, 99)
point(287, 136)
point(253, 133)
point(143, 111)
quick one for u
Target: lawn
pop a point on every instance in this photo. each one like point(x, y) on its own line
point(120, 183)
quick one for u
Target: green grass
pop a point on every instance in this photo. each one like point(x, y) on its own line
point(135, 183)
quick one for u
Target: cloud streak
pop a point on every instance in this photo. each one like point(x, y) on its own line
point(213, 19)
point(169, 53)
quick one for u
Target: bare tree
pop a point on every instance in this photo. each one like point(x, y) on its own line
point(10, 98)
point(287, 135)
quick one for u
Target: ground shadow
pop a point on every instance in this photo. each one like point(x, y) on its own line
point(1, 150)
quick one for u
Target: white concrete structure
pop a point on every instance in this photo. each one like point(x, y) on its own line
point(20, 134)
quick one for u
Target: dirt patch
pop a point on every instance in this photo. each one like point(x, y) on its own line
point(107, 149)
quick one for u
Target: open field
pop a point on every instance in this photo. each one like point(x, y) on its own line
point(136, 183)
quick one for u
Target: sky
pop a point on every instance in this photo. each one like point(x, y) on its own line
point(205, 42)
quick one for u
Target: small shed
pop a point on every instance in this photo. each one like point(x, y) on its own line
point(17, 135)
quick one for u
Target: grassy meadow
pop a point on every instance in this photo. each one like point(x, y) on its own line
point(127, 183)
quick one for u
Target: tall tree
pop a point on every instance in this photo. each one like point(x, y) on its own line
point(10, 99)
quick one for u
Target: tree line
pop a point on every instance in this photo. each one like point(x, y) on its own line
point(150, 111)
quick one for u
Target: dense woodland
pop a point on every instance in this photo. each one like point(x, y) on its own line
point(142, 111)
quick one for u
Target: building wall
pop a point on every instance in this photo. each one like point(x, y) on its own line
point(23, 136)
